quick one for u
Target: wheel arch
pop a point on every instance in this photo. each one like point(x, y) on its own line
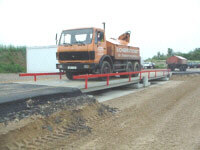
point(106, 58)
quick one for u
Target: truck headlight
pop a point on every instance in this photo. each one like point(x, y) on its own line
point(86, 66)
point(60, 66)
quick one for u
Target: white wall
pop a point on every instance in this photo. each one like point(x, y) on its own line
point(41, 59)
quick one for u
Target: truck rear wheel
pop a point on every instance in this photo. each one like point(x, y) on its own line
point(182, 68)
point(185, 68)
point(136, 67)
point(129, 68)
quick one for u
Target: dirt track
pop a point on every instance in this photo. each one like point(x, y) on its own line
point(160, 117)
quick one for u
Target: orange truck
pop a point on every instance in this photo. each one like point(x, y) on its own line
point(179, 62)
point(86, 51)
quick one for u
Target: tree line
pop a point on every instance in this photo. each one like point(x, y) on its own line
point(192, 55)
point(12, 48)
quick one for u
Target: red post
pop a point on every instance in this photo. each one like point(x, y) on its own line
point(107, 80)
point(163, 73)
point(148, 75)
point(35, 78)
point(140, 75)
point(86, 82)
point(129, 77)
point(155, 74)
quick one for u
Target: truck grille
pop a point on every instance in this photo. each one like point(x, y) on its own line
point(77, 55)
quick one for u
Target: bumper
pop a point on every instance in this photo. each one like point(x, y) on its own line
point(77, 67)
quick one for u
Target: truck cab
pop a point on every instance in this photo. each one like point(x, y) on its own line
point(80, 50)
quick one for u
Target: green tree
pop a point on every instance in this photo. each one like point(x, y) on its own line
point(158, 54)
point(170, 52)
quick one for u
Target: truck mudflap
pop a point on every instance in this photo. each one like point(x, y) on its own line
point(77, 67)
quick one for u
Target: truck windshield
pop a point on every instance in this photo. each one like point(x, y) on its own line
point(80, 36)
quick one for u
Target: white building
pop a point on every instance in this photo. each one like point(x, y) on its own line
point(41, 59)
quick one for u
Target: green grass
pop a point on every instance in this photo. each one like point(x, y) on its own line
point(11, 68)
point(12, 59)
point(160, 66)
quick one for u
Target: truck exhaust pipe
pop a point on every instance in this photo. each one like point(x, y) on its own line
point(104, 26)
point(56, 38)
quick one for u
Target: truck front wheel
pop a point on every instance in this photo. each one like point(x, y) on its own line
point(70, 75)
point(172, 68)
point(105, 68)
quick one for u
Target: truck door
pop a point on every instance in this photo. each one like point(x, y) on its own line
point(100, 45)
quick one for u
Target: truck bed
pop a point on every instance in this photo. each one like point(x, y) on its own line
point(121, 52)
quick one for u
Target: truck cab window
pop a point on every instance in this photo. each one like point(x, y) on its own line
point(80, 37)
point(99, 37)
point(74, 37)
point(66, 39)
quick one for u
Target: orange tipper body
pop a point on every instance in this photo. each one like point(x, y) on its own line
point(85, 50)
point(178, 62)
point(121, 51)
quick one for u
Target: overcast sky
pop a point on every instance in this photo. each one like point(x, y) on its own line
point(155, 24)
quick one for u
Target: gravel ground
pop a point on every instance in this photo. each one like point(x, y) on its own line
point(162, 117)
point(166, 116)
point(41, 122)
point(20, 110)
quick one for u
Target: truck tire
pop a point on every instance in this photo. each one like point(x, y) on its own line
point(105, 68)
point(136, 67)
point(129, 68)
point(181, 68)
point(70, 75)
point(172, 68)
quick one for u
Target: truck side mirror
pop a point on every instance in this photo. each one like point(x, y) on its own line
point(96, 42)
